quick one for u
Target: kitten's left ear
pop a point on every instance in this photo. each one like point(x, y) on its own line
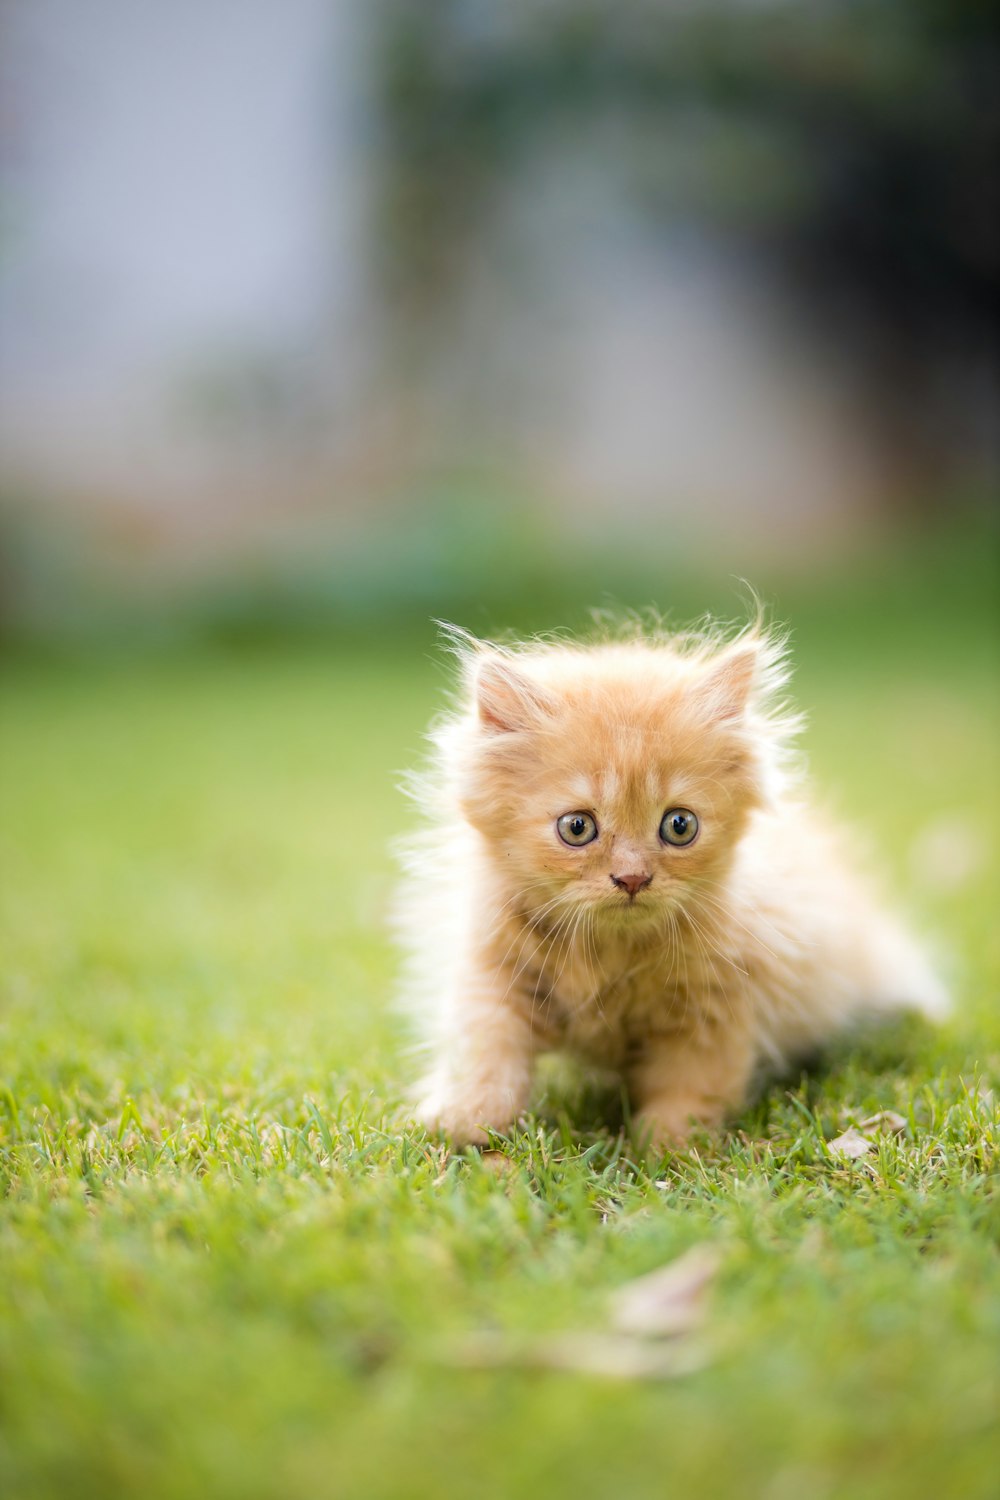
point(730, 678)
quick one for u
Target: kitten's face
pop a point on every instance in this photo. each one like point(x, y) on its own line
point(621, 785)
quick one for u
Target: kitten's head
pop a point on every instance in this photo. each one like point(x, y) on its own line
point(618, 777)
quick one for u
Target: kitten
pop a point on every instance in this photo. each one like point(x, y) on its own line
point(623, 865)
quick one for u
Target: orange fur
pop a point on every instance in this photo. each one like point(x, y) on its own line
point(747, 948)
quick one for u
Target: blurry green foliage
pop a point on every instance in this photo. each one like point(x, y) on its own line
point(460, 554)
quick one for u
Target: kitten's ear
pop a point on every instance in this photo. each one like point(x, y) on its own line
point(730, 678)
point(507, 700)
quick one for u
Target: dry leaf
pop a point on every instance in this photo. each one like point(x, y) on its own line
point(652, 1320)
point(851, 1144)
point(612, 1356)
point(887, 1121)
point(668, 1301)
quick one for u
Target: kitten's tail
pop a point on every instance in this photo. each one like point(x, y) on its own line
point(909, 981)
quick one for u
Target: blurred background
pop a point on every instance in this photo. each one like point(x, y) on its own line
point(320, 321)
point(327, 317)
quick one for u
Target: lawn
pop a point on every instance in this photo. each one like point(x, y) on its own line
point(231, 1267)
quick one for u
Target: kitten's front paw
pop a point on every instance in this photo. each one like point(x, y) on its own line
point(666, 1124)
point(465, 1121)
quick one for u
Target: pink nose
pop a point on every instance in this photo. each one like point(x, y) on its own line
point(632, 883)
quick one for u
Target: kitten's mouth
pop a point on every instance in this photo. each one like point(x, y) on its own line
point(623, 905)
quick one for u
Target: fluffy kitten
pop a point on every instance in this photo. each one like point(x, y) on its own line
point(622, 865)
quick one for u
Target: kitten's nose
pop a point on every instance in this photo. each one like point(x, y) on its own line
point(632, 883)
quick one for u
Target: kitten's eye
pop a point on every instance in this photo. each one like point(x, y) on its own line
point(576, 828)
point(679, 827)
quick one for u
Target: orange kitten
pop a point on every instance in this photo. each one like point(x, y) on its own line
point(623, 865)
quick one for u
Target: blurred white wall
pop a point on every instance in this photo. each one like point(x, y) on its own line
point(182, 208)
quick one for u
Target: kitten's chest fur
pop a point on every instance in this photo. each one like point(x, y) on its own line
point(603, 994)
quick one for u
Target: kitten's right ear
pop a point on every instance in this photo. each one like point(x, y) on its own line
point(508, 701)
point(729, 681)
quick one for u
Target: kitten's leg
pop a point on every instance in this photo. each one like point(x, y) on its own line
point(482, 1078)
point(686, 1079)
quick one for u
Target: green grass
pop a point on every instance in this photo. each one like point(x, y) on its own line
point(230, 1267)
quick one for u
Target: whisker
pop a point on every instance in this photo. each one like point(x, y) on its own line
point(713, 893)
point(706, 951)
point(731, 916)
point(713, 947)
